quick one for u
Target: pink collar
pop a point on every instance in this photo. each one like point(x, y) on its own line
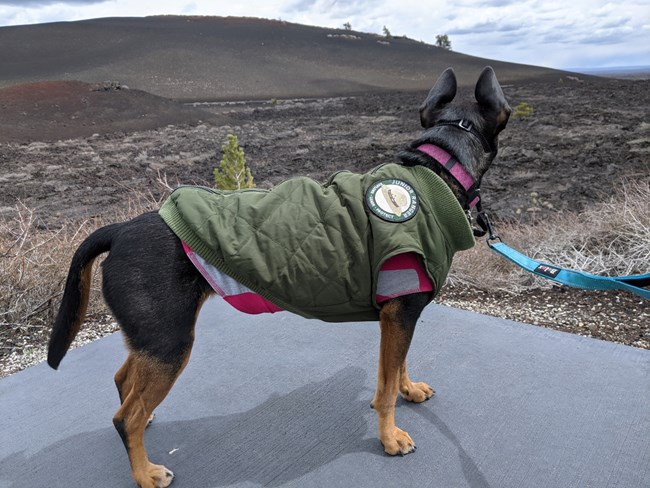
point(455, 169)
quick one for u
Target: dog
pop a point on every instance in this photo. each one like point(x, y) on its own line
point(155, 289)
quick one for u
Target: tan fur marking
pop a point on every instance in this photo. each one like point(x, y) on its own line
point(144, 384)
point(392, 351)
point(121, 378)
point(503, 117)
point(84, 288)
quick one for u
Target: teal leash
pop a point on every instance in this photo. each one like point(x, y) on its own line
point(576, 279)
point(637, 284)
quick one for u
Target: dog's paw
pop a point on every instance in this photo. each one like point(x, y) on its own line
point(398, 442)
point(417, 392)
point(155, 476)
point(164, 478)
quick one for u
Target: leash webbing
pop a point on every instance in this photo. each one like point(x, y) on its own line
point(637, 284)
point(576, 279)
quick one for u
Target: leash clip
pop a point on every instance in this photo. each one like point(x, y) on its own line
point(483, 220)
point(484, 223)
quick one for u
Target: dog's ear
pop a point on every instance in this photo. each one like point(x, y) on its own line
point(489, 95)
point(440, 95)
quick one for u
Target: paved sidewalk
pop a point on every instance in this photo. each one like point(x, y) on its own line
point(282, 401)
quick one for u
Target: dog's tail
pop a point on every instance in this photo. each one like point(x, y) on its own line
point(75, 297)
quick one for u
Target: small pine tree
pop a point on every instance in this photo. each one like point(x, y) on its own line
point(234, 174)
point(347, 26)
point(442, 40)
point(387, 33)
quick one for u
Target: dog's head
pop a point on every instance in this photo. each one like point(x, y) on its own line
point(461, 138)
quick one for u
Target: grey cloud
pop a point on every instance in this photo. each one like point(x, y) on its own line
point(333, 6)
point(474, 5)
point(41, 3)
point(615, 24)
point(584, 38)
point(593, 34)
point(301, 5)
point(359, 7)
point(499, 3)
point(486, 27)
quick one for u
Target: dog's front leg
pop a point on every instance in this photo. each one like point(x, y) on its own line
point(397, 321)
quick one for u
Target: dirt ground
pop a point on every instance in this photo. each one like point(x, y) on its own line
point(85, 151)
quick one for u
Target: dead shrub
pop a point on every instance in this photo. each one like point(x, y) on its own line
point(33, 266)
point(611, 239)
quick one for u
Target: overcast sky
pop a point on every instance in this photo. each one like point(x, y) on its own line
point(557, 34)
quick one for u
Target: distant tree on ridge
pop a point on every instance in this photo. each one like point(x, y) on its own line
point(442, 40)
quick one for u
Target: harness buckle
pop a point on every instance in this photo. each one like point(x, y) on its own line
point(466, 125)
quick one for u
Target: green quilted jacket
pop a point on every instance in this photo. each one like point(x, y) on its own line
point(316, 250)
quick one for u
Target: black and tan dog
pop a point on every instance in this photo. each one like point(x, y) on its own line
point(155, 292)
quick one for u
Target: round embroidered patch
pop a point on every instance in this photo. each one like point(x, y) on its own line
point(392, 200)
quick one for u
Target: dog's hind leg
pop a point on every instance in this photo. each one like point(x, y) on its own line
point(155, 293)
point(124, 384)
point(413, 392)
point(150, 379)
point(144, 380)
point(397, 321)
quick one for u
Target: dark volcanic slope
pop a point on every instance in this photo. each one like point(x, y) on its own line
point(52, 110)
point(216, 58)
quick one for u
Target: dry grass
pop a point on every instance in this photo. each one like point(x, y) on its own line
point(610, 239)
point(34, 260)
point(31, 266)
